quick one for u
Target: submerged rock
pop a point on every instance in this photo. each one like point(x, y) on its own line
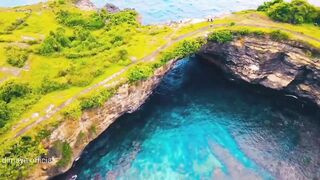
point(287, 65)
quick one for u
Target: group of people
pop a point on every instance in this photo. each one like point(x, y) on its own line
point(210, 19)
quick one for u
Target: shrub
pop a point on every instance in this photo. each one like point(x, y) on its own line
point(279, 35)
point(222, 36)
point(94, 21)
point(295, 12)
point(72, 112)
point(13, 89)
point(22, 148)
point(182, 50)
point(16, 56)
point(48, 85)
point(55, 42)
point(127, 17)
point(49, 46)
point(242, 32)
point(64, 151)
point(81, 138)
point(4, 113)
point(139, 72)
point(95, 99)
point(267, 5)
point(61, 1)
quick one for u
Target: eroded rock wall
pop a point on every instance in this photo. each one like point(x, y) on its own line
point(287, 65)
point(128, 98)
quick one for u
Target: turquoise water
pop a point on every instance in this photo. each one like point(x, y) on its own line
point(197, 125)
point(162, 11)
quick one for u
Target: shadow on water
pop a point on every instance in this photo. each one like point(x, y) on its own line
point(198, 125)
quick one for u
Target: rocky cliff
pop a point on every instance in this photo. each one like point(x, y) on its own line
point(287, 65)
point(78, 134)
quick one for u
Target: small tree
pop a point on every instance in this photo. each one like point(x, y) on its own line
point(16, 56)
point(4, 113)
point(13, 89)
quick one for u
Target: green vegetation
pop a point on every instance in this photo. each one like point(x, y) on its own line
point(16, 56)
point(181, 50)
point(139, 72)
point(95, 99)
point(73, 111)
point(294, 12)
point(227, 35)
point(221, 36)
point(278, 35)
point(15, 97)
point(63, 151)
point(22, 153)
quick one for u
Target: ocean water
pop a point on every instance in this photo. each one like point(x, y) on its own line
point(198, 125)
point(163, 11)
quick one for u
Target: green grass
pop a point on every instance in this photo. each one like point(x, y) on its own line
point(260, 18)
point(3, 56)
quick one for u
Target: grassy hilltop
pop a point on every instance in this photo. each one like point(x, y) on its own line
point(57, 61)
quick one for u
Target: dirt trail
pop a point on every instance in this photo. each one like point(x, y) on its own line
point(149, 57)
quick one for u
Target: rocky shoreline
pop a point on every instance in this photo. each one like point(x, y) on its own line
point(287, 66)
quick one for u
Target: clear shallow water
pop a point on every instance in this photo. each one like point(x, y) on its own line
point(197, 125)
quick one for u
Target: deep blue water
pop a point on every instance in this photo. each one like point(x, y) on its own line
point(162, 11)
point(198, 125)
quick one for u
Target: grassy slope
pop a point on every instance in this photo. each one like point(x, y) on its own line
point(148, 39)
point(39, 24)
point(254, 18)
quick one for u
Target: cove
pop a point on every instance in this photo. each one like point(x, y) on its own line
point(199, 125)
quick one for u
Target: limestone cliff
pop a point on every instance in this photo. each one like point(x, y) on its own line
point(287, 65)
point(128, 98)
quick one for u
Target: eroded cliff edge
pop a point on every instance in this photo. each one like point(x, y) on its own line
point(289, 66)
point(128, 98)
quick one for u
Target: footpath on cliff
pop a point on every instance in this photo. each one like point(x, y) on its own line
point(150, 57)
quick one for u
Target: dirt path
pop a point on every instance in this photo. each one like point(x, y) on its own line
point(149, 57)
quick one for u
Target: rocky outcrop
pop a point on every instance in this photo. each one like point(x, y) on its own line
point(111, 8)
point(85, 5)
point(289, 66)
point(78, 134)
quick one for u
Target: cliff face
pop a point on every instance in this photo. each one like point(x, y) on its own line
point(78, 134)
point(287, 65)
